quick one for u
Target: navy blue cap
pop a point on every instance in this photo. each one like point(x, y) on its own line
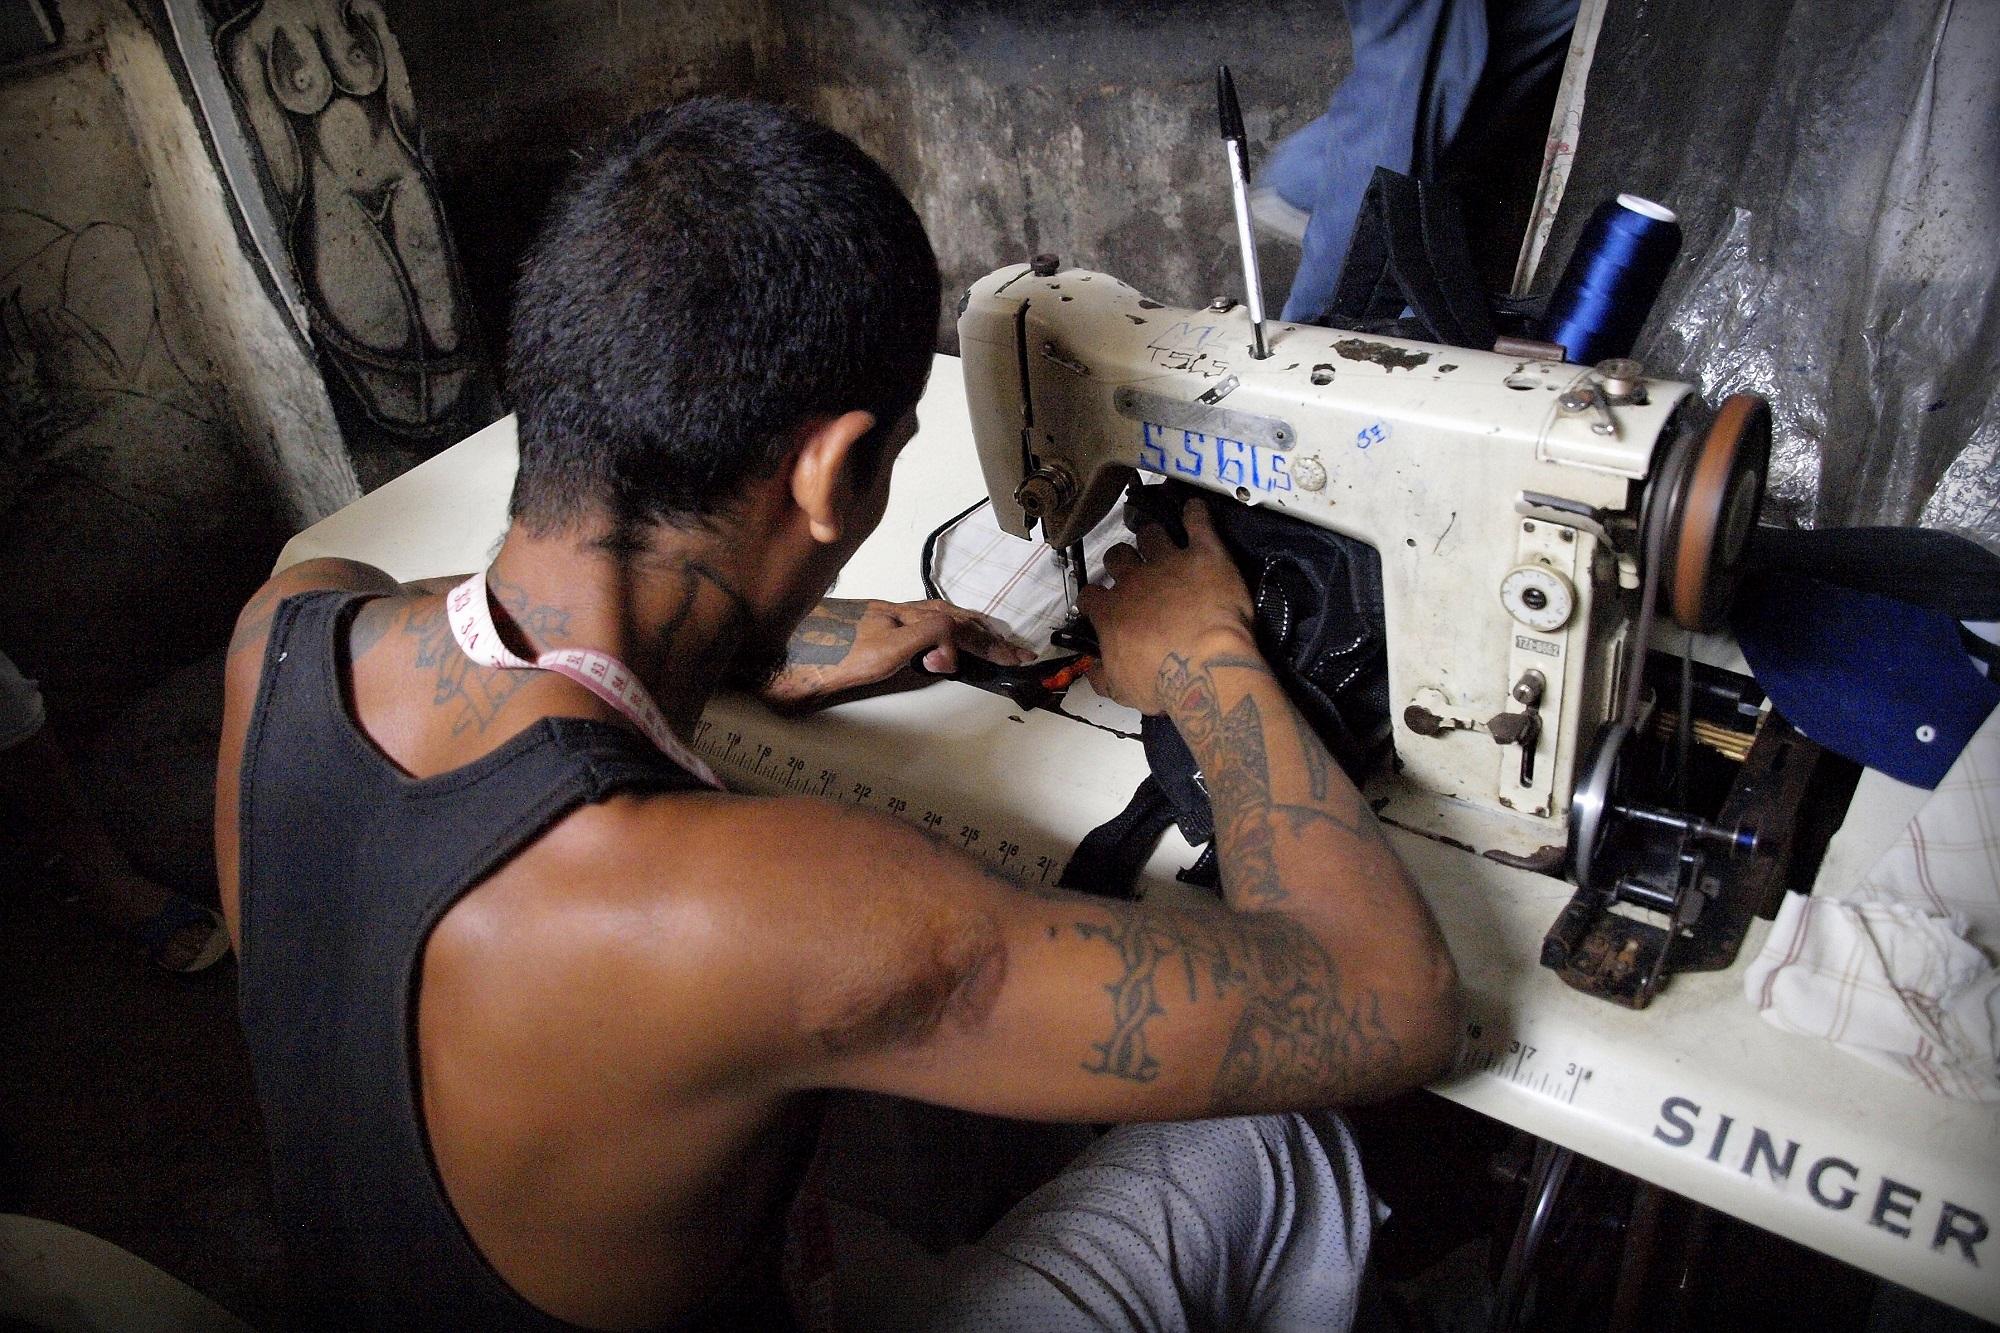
point(1884, 682)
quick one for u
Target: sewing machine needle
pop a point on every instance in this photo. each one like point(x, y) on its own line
point(1236, 145)
point(1075, 576)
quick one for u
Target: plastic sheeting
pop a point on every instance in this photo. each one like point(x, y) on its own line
point(1836, 165)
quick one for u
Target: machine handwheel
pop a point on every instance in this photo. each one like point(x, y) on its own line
point(1599, 785)
point(1711, 510)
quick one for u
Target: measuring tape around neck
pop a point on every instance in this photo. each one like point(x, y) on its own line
point(471, 620)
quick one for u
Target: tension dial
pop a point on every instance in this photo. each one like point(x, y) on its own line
point(1538, 597)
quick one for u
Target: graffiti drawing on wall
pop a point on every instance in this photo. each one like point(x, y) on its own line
point(85, 359)
point(324, 91)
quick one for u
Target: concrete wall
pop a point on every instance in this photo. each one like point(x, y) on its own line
point(1087, 129)
point(133, 519)
point(508, 90)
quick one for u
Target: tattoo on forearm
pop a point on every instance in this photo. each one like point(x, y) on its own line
point(826, 637)
point(1238, 778)
point(1256, 664)
point(1295, 1039)
point(1299, 1033)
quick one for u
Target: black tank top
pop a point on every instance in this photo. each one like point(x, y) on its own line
point(347, 864)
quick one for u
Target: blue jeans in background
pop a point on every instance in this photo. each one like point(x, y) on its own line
point(1417, 64)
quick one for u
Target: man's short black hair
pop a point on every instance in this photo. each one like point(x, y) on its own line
point(716, 275)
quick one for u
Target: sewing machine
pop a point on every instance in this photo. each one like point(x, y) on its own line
point(1520, 507)
point(1685, 1094)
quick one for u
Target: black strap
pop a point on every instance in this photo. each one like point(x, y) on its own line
point(1922, 566)
point(1108, 860)
point(1204, 873)
point(1410, 251)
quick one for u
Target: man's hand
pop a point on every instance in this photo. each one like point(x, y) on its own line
point(849, 644)
point(1164, 599)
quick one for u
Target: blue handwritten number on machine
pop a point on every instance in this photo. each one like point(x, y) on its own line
point(1191, 455)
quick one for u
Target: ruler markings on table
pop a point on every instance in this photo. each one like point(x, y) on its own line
point(775, 766)
point(1496, 1052)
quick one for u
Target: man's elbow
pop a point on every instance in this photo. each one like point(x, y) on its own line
point(1435, 1019)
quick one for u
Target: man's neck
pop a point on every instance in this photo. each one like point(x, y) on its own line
point(673, 613)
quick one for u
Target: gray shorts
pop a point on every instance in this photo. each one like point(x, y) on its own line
point(21, 711)
point(1252, 1222)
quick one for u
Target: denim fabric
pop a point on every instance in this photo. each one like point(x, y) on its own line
point(1417, 65)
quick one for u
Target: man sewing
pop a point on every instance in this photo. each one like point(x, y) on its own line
point(537, 1013)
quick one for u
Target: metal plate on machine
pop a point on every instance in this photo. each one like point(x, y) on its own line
point(1206, 418)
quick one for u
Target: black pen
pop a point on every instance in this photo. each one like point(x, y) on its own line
point(1237, 147)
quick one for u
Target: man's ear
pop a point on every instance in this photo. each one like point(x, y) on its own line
point(824, 471)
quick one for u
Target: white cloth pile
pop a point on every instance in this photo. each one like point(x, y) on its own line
point(1897, 965)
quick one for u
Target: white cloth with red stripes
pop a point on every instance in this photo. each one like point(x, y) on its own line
point(1898, 966)
point(1013, 580)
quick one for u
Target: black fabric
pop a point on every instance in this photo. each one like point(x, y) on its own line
point(1939, 570)
point(1319, 624)
point(347, 864)
point(1107, 861)
point(1409, 253)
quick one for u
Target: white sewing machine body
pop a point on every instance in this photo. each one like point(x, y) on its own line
point(1467, 471)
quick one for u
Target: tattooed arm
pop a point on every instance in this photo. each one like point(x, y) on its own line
point(1321, 979)
point(848, 644)
point(1302, 858)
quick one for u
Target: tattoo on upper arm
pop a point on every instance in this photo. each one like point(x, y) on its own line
point(826, 637)
point(1144, 941)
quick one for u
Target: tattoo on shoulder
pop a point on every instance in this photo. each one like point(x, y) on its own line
point(477, 693)
point(372, 623)
point(255, 621)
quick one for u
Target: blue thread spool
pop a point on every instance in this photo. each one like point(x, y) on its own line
point(1612, 280)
